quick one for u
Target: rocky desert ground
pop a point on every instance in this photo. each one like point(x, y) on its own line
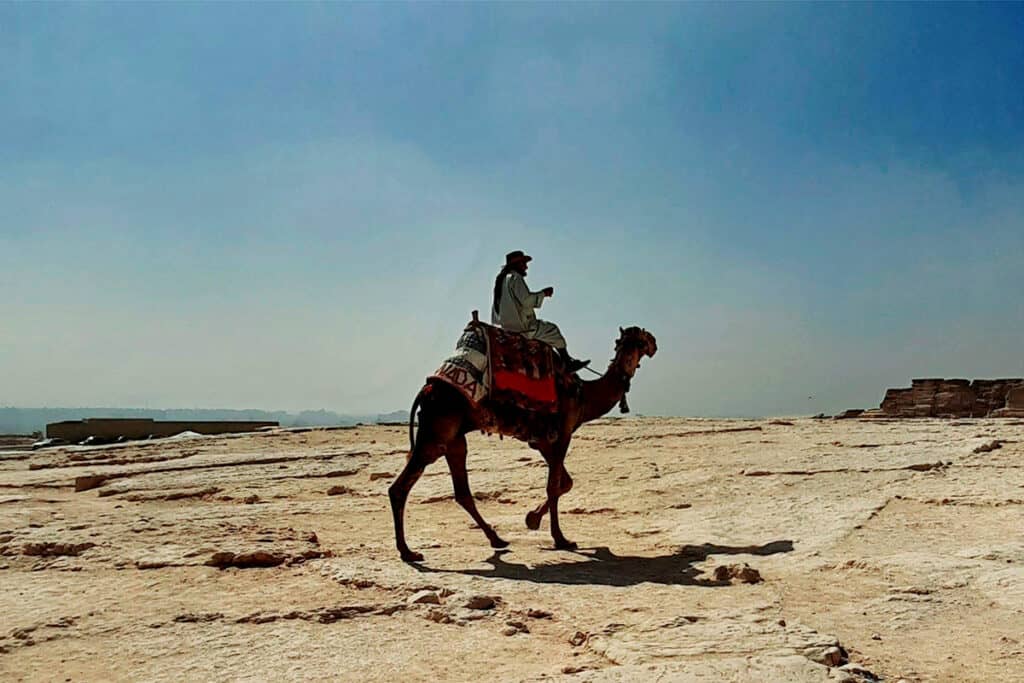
point(710, 550)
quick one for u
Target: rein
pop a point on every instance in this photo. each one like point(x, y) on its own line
point(623, 406)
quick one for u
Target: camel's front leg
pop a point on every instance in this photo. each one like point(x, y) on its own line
point(555, 470)
point(534, 517)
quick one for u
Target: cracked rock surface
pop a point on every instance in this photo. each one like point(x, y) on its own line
point(709, 550)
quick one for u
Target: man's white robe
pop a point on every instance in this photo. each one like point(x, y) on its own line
point(515, 312)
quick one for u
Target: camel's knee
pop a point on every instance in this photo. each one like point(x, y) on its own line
point(398, 494)
point(555, 483)
point(566, 484)
point(396, 491)
point(402, 485)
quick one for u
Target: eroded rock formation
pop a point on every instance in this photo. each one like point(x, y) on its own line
point(1014, 403)
point(955, 398)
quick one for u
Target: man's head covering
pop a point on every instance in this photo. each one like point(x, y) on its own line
point(511, 258)
point(516, 256)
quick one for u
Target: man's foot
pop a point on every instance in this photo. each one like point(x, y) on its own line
point(576, 365)
point(571, 364)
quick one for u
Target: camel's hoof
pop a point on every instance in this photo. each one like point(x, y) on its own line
point(411, 556)
point(499, 542)
point(565, 545)
point(533, 520)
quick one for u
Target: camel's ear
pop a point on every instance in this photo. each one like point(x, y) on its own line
point(622, 331)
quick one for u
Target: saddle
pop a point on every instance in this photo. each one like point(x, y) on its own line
point(512, 382)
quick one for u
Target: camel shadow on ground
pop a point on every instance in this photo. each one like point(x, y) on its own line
point(601, 566)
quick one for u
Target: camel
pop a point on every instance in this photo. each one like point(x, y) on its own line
point(446, 416)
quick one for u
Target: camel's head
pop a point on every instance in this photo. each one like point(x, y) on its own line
point(633, 344)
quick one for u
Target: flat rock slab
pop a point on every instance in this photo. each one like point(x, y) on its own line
point(709, 550)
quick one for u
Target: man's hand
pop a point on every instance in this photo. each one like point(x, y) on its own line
point(548, 291)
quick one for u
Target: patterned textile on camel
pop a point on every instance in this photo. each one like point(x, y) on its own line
point(466, 369)
point(502, 368)
point(522, 371)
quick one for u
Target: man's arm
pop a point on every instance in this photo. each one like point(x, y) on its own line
point(522, 293)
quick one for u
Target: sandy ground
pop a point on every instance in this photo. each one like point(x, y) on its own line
point(885, 550)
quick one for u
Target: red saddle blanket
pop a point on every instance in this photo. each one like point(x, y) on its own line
point(522, 370)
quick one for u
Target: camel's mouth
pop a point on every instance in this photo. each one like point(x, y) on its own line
point(650, 345)
point(638, 338)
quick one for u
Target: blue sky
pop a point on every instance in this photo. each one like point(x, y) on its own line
point(297, 205)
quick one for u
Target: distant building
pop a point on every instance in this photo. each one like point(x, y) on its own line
point(142, 428)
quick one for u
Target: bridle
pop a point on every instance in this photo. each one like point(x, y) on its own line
point(623, 377)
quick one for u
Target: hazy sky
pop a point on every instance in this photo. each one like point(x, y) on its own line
point(297, 206)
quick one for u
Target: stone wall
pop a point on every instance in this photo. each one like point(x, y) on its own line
point(949, 398)
point(112, 428)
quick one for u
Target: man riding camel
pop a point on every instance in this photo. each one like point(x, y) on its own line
point(514, 304)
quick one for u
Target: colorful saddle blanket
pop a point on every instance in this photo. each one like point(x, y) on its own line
point(500, 367)
point(466, 369)
point(522, 371)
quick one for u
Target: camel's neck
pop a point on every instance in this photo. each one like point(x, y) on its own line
point(601, 395)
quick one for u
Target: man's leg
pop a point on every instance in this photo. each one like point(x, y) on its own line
point(550, 334)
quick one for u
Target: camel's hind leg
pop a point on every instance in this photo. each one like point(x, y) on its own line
point(456, 456)
point(398, 492)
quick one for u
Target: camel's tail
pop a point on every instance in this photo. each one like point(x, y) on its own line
point(412, 418)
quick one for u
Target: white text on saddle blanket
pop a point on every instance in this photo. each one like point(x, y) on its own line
point(466, 369)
